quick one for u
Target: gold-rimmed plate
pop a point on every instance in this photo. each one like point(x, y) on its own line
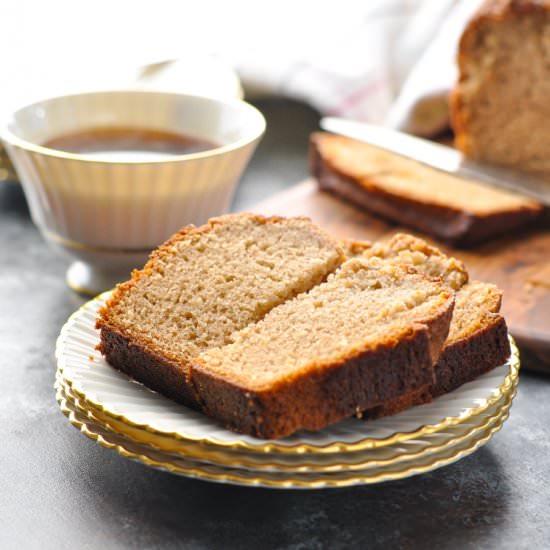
point(358, 460)
point(91, 379)
point(280, 480)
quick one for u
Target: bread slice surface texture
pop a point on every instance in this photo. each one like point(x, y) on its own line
point(371, 332)
point(499, 106)
point(430, 261)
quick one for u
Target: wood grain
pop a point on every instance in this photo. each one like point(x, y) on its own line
point(519, 264)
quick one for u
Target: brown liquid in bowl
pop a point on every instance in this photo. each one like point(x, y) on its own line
point(118, 143)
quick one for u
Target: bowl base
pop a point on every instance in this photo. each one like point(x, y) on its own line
point(91, 280)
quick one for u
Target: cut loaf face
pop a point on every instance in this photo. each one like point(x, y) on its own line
point(500, 107)
point(370, 333)
point(204, 284)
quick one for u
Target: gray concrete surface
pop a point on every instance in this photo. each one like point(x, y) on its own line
point(60, 490)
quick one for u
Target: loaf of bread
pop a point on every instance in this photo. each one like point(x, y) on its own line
point(407, 192)
point(204, 284)
point(499, 107)
point(478, 336)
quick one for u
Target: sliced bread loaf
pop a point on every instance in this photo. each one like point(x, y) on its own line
point(369, 334)
point(204, 284)
point(221, 319)
point(477, 341)
point(413, 194)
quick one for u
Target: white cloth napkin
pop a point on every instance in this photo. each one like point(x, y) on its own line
point(384, 61)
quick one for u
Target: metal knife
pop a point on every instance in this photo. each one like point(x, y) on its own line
point(441, 158)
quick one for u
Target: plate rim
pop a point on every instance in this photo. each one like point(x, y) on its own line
point(273, 446)
point(300, 467)
point(259, 479)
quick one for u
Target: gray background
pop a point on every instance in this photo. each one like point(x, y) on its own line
point(60, 490)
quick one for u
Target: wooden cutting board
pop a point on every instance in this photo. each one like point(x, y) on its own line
point(519, 264)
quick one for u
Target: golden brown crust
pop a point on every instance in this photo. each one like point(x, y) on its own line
point(461, 227)
point(466, 359)
point(421, 256)
point(393, 406)
point(353, 249)
point(459, 363)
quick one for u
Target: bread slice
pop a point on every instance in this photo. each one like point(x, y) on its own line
point(369, 334)
point(204, 284)
point(415, 195)
point(499, 107)
point(477, 341)
point(478, 336)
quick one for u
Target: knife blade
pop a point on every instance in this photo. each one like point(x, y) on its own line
point(441, 157)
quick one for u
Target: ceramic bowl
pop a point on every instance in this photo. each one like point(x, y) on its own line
point(108, 214)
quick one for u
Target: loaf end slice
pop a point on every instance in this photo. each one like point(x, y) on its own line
point(202, 285)
point(370, 333)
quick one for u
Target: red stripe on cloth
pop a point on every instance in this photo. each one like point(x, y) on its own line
point(357, 96)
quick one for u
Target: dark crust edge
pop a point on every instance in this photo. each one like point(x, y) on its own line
point(471, 357)
point(458, 227)
point(159, 373)
point(330, 394)
point(459, 363)
point(415, 397)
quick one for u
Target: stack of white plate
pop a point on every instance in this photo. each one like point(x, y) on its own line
point(127, 417)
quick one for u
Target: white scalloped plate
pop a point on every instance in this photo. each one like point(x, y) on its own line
point(388, 455)
point(276, 480)
point(91, 378)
